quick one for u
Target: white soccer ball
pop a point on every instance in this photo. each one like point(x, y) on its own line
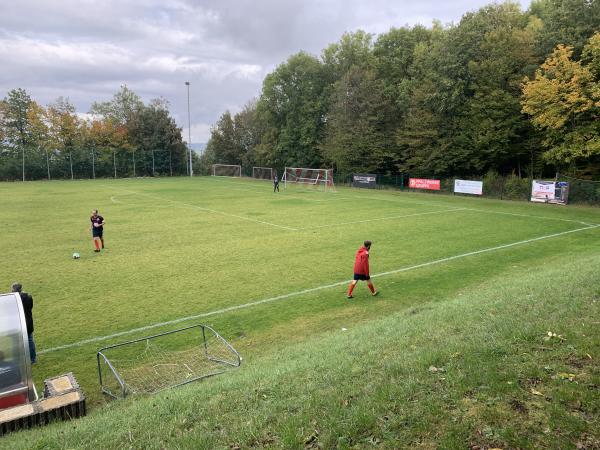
point(76, 255)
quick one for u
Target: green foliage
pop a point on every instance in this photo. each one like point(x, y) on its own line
point(53, 142)
point(516, 188)
point(356, 139)
point(566, 22)
point(294, 105)
point(439, 101)
point(563, 101)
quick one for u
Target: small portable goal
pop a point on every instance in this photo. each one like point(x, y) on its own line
point(155, 363)
point(319, 178)
point(226, 170)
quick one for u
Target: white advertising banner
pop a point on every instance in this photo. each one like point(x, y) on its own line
point(468, 187)
point(542, 191)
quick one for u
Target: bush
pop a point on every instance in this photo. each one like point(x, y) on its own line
point(516, 188)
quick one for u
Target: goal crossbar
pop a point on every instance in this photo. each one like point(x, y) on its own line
point(226, 170)
point(154, 363)
point(262, 173)
point(307, 175)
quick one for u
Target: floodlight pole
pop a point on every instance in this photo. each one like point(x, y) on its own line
point(187, 83)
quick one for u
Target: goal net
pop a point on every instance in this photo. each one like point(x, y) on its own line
point(322, 178)
point(154, 363)
point(262, 173)
point(226, 170)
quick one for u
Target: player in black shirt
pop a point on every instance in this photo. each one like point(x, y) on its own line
point(97, 229)
point(27, 301)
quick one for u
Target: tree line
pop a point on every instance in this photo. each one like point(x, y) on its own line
point(503, 91)
point(122, 137)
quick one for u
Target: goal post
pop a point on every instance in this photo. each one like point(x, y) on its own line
point(154, 363)
point(226, 170)
point(320, 178)
point(262, 173)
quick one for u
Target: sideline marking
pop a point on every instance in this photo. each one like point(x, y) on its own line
point(306, 291)
point(190, 205)
point(382, 218)
point(530, 215)
point(395, 199)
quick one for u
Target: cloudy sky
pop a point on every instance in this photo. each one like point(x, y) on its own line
point(86, 49)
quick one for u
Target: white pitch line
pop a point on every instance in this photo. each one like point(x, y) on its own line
point(215, 211)
point(382, 218)
point(306, 291)
point(530, 216)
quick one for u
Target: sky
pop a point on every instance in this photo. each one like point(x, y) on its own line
point(84, 50)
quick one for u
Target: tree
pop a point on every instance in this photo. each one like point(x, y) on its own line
point(121, 111)
point(566, 22)
point(222, 147)
point(39, 130)
point(356, 138)
point(16, 125)
point(294, 103)
point(154, 134)
point(121, 108)
point(563, 100)
point(352, 50)
point(63, 129)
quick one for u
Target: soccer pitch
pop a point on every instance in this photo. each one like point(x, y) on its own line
point(264, 269)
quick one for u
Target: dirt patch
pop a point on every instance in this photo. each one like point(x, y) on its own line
point(518, 406)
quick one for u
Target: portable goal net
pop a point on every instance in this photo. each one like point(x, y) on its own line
point(321, 178)
point(262, 173)
point(226, 170)
point(154, 363)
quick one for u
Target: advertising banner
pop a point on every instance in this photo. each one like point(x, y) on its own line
point(364, 180)
point(424, 183)
point(542, 191)
point(468, 187)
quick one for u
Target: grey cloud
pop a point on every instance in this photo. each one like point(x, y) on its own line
point(86, 49)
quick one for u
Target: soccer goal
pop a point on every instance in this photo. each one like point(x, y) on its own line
point(226, 170)
point(262, 173)
point(321, 178)
point(154, 363)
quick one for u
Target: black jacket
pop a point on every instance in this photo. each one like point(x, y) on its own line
point(27, 301)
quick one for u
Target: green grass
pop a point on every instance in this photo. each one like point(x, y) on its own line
point(498, 382)
point(180, 247)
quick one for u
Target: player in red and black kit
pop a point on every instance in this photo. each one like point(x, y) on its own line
point(361, 269)
point(97, 229)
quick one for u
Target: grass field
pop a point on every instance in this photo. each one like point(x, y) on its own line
point(265, 270)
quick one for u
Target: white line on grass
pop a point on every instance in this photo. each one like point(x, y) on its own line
point(529, 216)
point(381, 218)
point(409, 201)
point(307, 291)
point(215, 211)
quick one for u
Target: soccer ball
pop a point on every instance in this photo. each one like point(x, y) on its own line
point(76, 256)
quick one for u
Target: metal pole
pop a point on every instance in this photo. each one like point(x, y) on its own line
point(187, 83)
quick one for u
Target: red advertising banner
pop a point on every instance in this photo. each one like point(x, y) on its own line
point(424, 183)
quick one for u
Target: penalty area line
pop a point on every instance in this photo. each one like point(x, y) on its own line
point(307, 291)
point(214, 211)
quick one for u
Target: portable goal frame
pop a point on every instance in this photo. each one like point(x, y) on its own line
point(259, 172)
point(118, 386)
point(231, 170)
point(304, 175)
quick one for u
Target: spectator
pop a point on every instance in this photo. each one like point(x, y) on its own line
point(27, 301)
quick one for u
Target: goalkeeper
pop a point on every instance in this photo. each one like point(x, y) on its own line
point(361, 269)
